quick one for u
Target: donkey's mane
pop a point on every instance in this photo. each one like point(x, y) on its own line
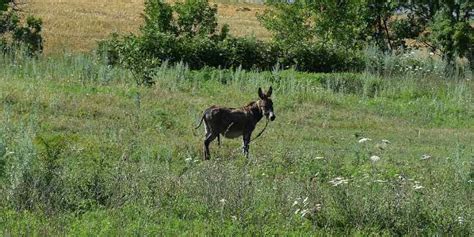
point(250, 105)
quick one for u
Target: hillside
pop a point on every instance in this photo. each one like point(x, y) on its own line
point(76, 25)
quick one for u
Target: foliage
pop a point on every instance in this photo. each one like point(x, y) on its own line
point(196, 18)
point(158, 17)
point(451, 37)
point(321, 58)
point(442, 26)
point(445, 27)
point(289, 23)
point(4, 4)
point(14, 36)
point(341, 23)
point(187, 32)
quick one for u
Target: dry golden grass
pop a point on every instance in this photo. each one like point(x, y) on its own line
point(77, 25)
point(242, 19)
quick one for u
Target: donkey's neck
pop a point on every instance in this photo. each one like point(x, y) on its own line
point(255, 111)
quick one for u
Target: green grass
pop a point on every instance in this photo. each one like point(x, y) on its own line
point(89, 153)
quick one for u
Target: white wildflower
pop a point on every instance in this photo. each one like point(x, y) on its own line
point(338, 181)
point(319, 158)
point(417, 186)
point(374, 158)
point(305, 200)
point(188, 159)
point(383, 145)
point(297, 210)
point(364, 139)
point(425, 157)
point(295, 203)
point(223, 201)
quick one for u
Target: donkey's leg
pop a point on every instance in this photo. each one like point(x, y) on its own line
point(219, 140)
point(246, 142)
point(209, 138)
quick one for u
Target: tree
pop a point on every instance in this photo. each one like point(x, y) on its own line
point(442, 26)
point(327, 22)
point(158, 17)
point(190, 18)
point(451, 32)
point(14, 35)
point(290, 23)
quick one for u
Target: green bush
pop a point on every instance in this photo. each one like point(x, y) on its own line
point(232, 52)
point(187, 32)
point(15, 36)
point(249, 53)
point(320, 58)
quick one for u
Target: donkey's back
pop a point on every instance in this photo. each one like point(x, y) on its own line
point(228, 122)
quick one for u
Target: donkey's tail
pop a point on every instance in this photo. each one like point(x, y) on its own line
point(200, 122)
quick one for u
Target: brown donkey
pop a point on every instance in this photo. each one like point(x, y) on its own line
point(233, 123)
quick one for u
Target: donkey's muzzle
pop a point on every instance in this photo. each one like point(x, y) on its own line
point(272, 116)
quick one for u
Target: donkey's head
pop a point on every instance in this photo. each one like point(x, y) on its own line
point(266, 104)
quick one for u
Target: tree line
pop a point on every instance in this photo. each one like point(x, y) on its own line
point(444, 27)
point(313, 36)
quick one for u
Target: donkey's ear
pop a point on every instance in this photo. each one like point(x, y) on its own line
point(261, 94)
point(269, 92)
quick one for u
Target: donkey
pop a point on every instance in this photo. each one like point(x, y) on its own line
point(236, 122)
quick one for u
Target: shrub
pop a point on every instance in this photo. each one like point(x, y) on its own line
point(14, 36)
point(320, 58)
point(187, 32)
point(249, 53)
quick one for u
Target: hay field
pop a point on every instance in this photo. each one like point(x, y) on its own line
point(76, 25)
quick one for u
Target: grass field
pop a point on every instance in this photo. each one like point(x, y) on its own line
point(77, 25)
point(86, 152)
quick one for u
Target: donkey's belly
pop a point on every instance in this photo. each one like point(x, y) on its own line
point(235, 130)
point(232, 134)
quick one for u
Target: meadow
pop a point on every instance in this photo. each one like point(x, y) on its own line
point(87, 152)
point(84, 151)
